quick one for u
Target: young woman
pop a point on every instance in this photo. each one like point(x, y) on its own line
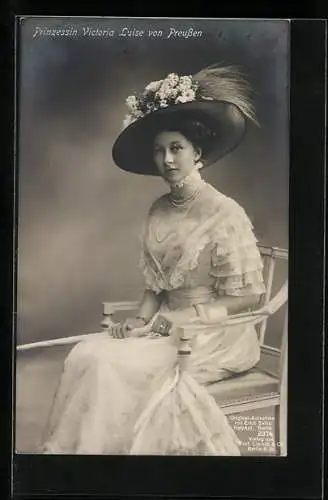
point(126, 393)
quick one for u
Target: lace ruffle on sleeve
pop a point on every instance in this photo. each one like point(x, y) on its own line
point(236, 262)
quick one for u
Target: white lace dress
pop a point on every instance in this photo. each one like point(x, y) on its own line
point(129, 396)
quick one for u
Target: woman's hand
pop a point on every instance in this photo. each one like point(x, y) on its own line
point(165, 323)
point(179, 317)
point(122, 329)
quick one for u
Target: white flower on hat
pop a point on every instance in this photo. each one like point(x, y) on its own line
point(128, 119)
point(132, 102)
point(132, 117)
point(186, 96)
point(172, 78)
point(164, 89)
point(171, 90)
point(173, 93)
point(185, 82)
point(153, 86)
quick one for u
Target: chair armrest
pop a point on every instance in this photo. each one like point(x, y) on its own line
point(251, 317)
point(110, 308)
point(254, 317)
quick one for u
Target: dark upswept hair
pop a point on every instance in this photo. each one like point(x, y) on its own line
point(195, 131)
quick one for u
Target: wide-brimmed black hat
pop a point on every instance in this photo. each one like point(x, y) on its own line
point(216, 97)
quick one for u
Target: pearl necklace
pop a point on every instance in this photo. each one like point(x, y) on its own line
point(184, 202)
point(187, 200)
point(163, 229)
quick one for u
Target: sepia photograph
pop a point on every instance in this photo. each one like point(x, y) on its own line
point(152, 238)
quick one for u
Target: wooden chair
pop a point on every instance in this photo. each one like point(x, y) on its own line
point(261, 387)
point(266, 384)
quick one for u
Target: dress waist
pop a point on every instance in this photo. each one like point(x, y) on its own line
point(185, 297)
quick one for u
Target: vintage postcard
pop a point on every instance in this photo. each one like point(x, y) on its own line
point(152, 273)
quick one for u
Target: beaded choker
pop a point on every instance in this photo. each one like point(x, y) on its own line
point(195, 182)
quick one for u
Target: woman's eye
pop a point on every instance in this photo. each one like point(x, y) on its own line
point(175, 148)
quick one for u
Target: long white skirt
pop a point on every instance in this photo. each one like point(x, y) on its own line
point(128, 396)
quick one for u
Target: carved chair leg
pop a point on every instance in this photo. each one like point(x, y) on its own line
point(107, 321)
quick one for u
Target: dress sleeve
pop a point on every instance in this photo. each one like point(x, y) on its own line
point(236, 262)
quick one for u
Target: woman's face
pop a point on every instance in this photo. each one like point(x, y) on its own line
point(175, 156)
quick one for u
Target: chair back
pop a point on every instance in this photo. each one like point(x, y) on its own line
point(271, 256)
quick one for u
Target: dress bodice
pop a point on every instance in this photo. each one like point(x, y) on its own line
point(210, 243)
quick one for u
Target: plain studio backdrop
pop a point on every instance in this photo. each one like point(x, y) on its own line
point(79, 215)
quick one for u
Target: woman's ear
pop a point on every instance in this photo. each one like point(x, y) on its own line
point(198, 154)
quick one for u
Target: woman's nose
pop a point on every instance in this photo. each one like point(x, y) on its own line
point(168, 157)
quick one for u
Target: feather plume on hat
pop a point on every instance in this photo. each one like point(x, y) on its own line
point(226, 83)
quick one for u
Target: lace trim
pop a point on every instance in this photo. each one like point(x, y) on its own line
point(242, 247)
point(250, 282)
point(151, 279)
point(236, 267)
point(234, 252)
point(219, 236)
point(188, 262)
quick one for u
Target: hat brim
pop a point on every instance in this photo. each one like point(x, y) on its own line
point(133, 149)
